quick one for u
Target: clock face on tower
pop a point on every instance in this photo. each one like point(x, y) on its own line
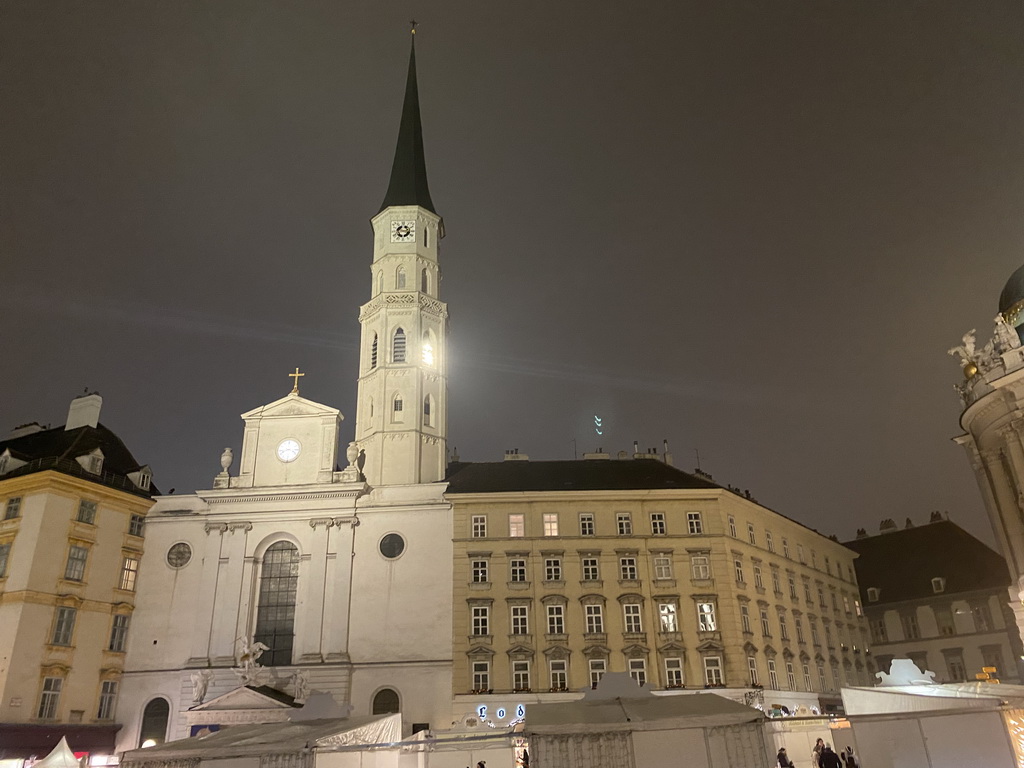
point(403, 231)
point(288, 450)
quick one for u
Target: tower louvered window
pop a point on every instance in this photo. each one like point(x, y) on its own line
point(398, 348)
point(373, 352)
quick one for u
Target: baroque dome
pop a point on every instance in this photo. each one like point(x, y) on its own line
point(1013, 291)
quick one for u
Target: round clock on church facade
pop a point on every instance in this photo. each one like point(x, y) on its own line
point(403, 231)
point(288, 450)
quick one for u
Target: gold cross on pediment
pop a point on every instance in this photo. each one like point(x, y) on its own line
point(295, 376)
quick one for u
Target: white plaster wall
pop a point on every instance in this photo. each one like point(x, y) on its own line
point(952, 741)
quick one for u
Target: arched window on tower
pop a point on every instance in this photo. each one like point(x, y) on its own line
point(385, 702)
point(275, 614)
point(154, 723)
point(427, 348)
point(398, 347)
point(424, 281)
point(397, 406)
point(373, 352)
point(428, 407)
point(400, 279)
point(426, 237)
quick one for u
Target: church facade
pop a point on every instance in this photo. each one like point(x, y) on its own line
point(292, 574)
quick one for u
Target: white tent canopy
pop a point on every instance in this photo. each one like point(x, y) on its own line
point(60, 757)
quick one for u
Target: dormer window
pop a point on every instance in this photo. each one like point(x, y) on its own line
point(872, 594)
point(142, 478)
point(938, 585)
point(92, 462)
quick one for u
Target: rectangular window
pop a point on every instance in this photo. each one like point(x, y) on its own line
point(713, 670)
point(481, 675)
point(108, 695)
point(51, 698)
point(792, 587)
point(624, 523)
point(814, 632)
point(559, 674)
point(516, 526)
point(658, 524)
point(814, 560)
point(766, 628)
point(478, 526)
point(694, 523)
point(910, 629)
point(662, 567)
point(944, 621)
point(758, 579)
point(857, 609)
point(627, 568)
point(631, 612)
point(587, 524)
point(828, 566)
point(550, 524)
point(517, 569)
point(64, 626)
point(673, 673)
point(992, 656)
point(783, 627)
point(591, 571)
point(669, 619)
point(480, 572)
point(822, 686)
point(13, 510)
point(790, 676)
point(521, 675)
point(520, 623)
point(556, 620)
point(785, 548)
point(75, 568)
point(828, 635)
point(752, 669)
point(776, 582)
point(751, 536)
point(738, 569)
point(129, 571)
point(980, 611)
point(706, 617)
point(769, 541)
point(835, 602)
point(846, 603)
point(773, 675)
point(638, 670)
point(745, 617)
point(481, 620)
point(807, 593)
point(553, 569)
point(807, 677)
point(821, 598)
point(87, 512)
point(732, 526)
point(5, 555)
point(119, 632)
point(595, 619)
point(800, 553)
point(597, 669)
point(799, 629)
point(836, 682)
point(701, 567)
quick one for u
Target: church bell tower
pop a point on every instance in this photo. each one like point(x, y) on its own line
point(402, 408)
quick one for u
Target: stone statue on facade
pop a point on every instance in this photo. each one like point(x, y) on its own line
point(905, 672)
point(1006, 335)
point(986, 357)
point(249, 670)
point(966, 351)
point(200, 682)
point(300, 686)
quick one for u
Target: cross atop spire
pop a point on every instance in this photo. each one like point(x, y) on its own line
point(408, 185)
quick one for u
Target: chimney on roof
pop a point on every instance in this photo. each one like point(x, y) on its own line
point(667, 454)
point(909, 524)
point(84, 411)
point(936, 517)
point(26, 429)
point(887, 526)
point(861, 533)
point(600, 454)
point(513, 454)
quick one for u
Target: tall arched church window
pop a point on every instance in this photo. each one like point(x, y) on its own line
point(397, 406)
point(385, 702)
point(427, 348)
point(427, 410)
point(400, 279)
point(275, 614)
point(373, 352)
point(424, 281)
point(398, 348)
point(154, 723)
point(426, 237)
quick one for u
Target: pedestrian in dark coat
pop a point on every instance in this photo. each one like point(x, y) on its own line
point(830, 759)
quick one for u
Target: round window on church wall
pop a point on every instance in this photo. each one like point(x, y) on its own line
point(179, 555)
point(392, 545)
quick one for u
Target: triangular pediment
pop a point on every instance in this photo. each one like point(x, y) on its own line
point(247, 698)
point(290, 406)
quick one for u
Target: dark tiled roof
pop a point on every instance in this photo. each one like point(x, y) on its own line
point(57, 449)
point(408, 185)
point(585, 475)
point(903, 563)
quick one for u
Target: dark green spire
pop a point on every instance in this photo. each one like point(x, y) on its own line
point(408, 185)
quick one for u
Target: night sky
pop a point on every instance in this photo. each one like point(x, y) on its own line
point(751, 228)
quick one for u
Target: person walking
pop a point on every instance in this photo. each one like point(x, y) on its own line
point(816, 754)
point(829, 759)
point(783, 760)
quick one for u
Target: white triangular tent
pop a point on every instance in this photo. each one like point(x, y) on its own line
point(60, 757)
